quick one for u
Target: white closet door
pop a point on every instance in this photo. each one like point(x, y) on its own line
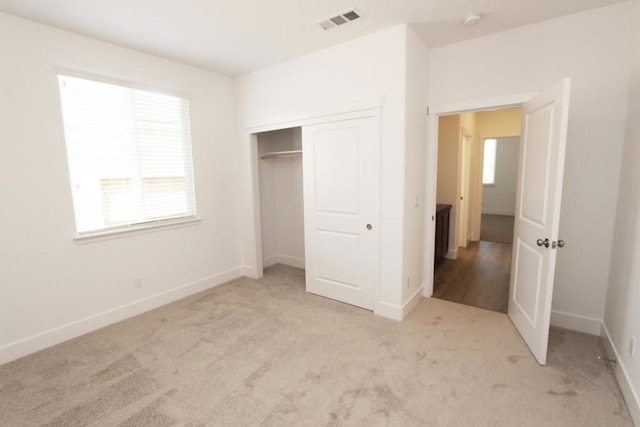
point(341, 198)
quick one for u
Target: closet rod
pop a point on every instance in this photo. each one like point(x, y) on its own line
point(281, 154)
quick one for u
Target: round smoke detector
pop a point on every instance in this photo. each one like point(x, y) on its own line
point(472, 19)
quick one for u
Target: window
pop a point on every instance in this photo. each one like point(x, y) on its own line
point(129, 153)
point(489, 164)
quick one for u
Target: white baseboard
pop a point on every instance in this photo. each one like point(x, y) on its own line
point(25, 346)
point(398, 312)
point(269, 261)
point(390, 311)
point(631, 396)
point(291, 261)
point(412, 302)
point(250, 272)
point(451, 254)
point(283, 259)
point(498, 212)
point(575, 322)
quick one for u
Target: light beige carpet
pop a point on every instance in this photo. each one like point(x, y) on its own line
point(266, 353)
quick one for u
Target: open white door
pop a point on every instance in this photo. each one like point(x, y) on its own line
point(341, 194)
point(544, 135)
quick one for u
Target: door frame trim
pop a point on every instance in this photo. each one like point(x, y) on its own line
point(431, 163)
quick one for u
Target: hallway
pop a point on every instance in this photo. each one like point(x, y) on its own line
point(497, 228)
point(478, 277)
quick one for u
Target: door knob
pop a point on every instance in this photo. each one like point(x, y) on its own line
point(561, 243)
point(369, 226)
point(544, 242)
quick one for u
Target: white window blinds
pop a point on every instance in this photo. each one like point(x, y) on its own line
point(129, 153)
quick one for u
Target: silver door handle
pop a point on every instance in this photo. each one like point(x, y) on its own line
point(544, 242)
point(561, 243)
point(369, 226)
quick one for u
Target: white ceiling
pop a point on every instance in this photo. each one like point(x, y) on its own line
point(237, 36)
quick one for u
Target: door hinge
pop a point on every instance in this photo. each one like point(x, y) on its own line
point(428, 110)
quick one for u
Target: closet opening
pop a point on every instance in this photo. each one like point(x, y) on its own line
point(281, 197)
point(315, 197)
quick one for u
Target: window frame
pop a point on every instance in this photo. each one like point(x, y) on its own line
point(137, 227)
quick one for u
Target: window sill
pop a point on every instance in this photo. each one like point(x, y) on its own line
point(488, 185)
point(135, 230)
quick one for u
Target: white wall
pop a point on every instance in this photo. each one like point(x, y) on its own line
point(416, 133)
point(53, 288)
point(500, 197)
point(501, 123)
point(447, 173)
point(357, 74)
point(450, 164)
point(622, 314)
point(281, 199)
point(593, 49)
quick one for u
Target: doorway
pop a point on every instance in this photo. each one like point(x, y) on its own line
point(476, 177)
point(499, 178)
point(281, 197)
point(545, 118)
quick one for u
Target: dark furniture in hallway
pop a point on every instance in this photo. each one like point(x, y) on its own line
point(442, 233)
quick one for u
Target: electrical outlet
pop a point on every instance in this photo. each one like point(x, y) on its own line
point(138, 283)
point(632, 347)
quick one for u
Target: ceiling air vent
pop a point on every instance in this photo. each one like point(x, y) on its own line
point(342, 18)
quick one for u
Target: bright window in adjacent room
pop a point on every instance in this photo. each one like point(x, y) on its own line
point(129, 153)
point(489, 163)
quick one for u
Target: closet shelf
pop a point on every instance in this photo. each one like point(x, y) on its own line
point(281, 154)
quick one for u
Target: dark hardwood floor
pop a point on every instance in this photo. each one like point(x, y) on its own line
point(478, 277)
